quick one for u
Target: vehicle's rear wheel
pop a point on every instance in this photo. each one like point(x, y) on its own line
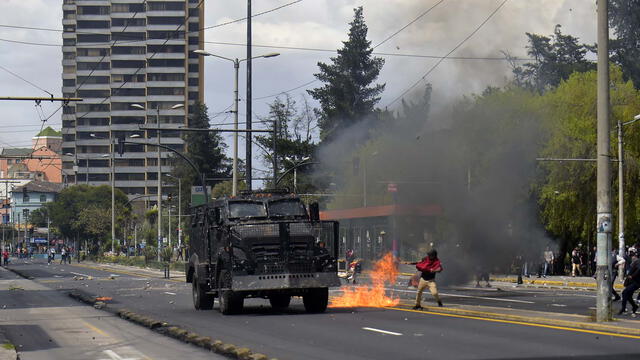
point(201, 300)
point(280, 301)
point(229, 302)
point(316, 300)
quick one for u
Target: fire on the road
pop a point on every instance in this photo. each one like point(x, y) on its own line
point(373, 295)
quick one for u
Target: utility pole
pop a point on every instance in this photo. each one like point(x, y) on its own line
point(603, 190)
point(179, 213)
point(620, 192)
point(248, 100)
point(275, 152)
point(234, 189)
point(159, 187)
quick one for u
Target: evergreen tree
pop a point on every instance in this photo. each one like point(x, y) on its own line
point(348, 95)
point(205, 150)
point(555, 59)
point(624, 17)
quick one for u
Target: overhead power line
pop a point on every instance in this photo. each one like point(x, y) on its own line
point(25, 80)
point(449, 53)
point(409, 24)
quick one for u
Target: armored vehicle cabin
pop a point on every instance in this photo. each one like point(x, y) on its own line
point(261, 244)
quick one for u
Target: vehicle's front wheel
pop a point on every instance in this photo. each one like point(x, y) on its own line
point(201, 300)
point(280, 301)
point(316, 300)
point(229, 301)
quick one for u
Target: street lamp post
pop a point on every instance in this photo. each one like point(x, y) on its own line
point(113, 191)
point(621, 241)
point(296, 164)
point(179, 208)
point(236, 66)
point(176, 106)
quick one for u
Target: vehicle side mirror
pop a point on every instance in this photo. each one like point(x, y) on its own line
point(314, 212)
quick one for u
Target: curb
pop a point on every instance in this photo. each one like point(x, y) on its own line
point(584, 324)
point(7, 350)
point(590, 286)
point(217, 346)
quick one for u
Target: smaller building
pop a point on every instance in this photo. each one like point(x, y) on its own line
point(40, 162)
point(30, 197)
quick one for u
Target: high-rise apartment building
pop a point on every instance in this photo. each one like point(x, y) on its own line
point(131, 62)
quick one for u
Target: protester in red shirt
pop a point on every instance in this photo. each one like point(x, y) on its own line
point(429, 266)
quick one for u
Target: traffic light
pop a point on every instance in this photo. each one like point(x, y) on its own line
point(170, 197)
point(120, 146)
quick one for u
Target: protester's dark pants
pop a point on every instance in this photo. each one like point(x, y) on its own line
point(627, 296)
point(613, 289)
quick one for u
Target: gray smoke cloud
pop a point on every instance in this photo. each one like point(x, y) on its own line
point(473, 158)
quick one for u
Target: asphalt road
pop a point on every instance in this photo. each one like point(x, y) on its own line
point(355, 333)
point(43, 323)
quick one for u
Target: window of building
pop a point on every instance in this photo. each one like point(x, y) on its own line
point(165, 48)
point(43, 198)
point(165, 77)
point(194, 26)
point(194, 12)
point(166, 91)
point(68, 82)
point(93, 24)
point(129, 50)
point(90, 121)
point(123, 120)
point(120, 8)
point(166, 63)
point(98, 177)
point(25, 198)
point(165, 35)
point(68, 69)
point(68, 137)
point(93, 38)
point(93, 79)
point(68, 124)
point(130, 64)
point(68, 110)
point(166, 5)
point(127, 36)
point(122, 106)
point(118, 78)
point(102, 65)
point(69, 14)
point(93, 93)
point(194, 40)
point(92, 52)
point(193, 95)
point(130, 176)
point(128, 92)
point(68, 55)
point(93, 10)
point(92, 107)
point(165, 20)
point(68, 42)
point(193, 67)
point(69, 28)
point(128, 22)
point(194, 81)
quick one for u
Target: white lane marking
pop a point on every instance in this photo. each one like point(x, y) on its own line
point(559, 305)
point(470, 296)
point(382, 331)
point(114, 356)
point(79, 274)
point(169, 293)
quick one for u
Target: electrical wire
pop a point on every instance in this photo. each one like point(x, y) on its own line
point(409, 24)
point(25, 80)
point(449, 53)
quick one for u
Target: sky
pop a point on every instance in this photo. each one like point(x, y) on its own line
point(311, 24)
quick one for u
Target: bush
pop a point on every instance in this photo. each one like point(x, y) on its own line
point(149, 253)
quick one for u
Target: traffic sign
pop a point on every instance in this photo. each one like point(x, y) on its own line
point(392, 187)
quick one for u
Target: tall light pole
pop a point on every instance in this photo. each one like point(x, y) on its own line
point(603, 188)
point(113, 190)
point(296, 164)
point(236, 66)
point(621, 242)
point(159, 200)
point(179, 208)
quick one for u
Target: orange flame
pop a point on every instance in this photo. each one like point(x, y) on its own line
point(384, 270)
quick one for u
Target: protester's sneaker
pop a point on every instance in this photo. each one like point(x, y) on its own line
point(440, 303)
point(622, 311)
point(417, 307)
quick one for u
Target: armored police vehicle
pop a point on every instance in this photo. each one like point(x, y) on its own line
point(261, 245)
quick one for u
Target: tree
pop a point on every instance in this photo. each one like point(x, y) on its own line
point(348, 96)
point(624, 18)
point(294, 135)
point(555, 59)
point(205, 150)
